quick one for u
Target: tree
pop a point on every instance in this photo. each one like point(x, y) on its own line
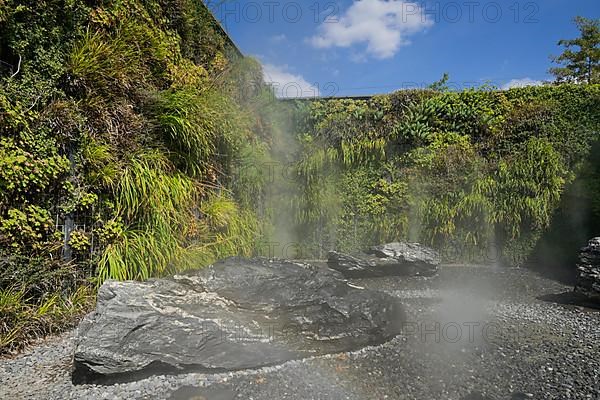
point(580, 62)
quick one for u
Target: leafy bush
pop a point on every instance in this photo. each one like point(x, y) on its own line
point(24, 176)
point(26, 230)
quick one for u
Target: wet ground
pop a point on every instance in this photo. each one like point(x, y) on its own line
point(472, 333)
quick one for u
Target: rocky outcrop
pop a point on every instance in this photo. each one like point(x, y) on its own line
point(387, 260)
point(235, 314)
point(588, 279)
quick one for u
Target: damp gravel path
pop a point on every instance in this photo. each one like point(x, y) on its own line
point(472, 333)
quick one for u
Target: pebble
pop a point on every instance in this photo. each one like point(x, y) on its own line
point(538, 350)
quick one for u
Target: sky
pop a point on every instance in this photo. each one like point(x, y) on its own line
point(364, 47)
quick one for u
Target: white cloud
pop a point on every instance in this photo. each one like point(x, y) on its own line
point(383, 25)
point(515, 83)
point(288, 84)
point(278, 38)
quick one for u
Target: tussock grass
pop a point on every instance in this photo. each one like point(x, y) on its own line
point(129, 57)
point(169, 225)
point(24, 320)
point(155, 202)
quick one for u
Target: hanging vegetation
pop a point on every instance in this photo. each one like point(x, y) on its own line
point(473, 173)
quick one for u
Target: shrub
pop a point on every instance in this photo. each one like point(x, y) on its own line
point(26, 230)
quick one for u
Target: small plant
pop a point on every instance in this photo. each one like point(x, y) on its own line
point(110, 232)
point(23, 175)
point(26, 230)
point(79, 241)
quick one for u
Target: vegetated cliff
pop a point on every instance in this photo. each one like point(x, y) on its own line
point(121, 124)
point(478, 174)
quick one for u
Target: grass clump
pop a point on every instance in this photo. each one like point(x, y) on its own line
point(39, 297)
point(155, 202)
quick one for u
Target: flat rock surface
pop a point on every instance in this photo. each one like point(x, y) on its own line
point(236, 314)
point(521, 347)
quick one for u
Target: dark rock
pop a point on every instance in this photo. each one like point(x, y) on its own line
point(390, 259)
point(236, 314)
point(588, 279)
point(356, 265)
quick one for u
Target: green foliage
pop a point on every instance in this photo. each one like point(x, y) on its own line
point(110, 232)
point(105, 61)
point(24, 176)
point(79, 241)
point(442, 84)
point(375, 212)
point(191, 20)
point(155, 202)
point(38, 296)
point(22, 321)
point(527, 189)
point(195, 125)
point(26, 230)
point(252, 172)
point(98, 162)
point(448, 177)
point(37, 36)
point(468, 170)
point(228, 229)
point(528, 186)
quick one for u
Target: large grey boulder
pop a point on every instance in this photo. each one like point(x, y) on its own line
point(390, 259)
point(235, 314)
point(588, 279)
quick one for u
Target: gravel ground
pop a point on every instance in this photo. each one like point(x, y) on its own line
point(473, 333)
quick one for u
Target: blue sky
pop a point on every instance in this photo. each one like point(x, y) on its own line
point(355, 47)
